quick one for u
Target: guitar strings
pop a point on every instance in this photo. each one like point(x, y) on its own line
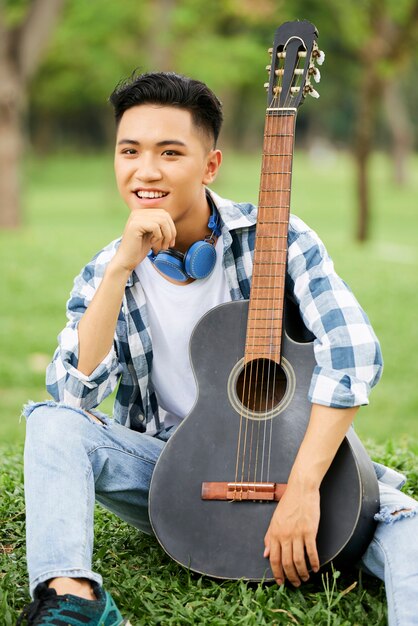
point(281, 223)
point(285, 134)
point(275, 281)
point(275, 257)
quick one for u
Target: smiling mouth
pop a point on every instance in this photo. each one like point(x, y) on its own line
point(151, 194)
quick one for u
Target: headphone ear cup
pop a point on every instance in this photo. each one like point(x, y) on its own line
point(200, 259)
point(171, 264)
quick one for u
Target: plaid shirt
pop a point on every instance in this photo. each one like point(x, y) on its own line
point(347, 352)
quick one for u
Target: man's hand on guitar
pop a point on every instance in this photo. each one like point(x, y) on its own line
point(291, 535)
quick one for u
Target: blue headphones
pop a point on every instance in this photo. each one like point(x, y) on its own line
point(199, 260)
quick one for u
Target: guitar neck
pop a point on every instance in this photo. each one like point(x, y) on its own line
point(265, 317)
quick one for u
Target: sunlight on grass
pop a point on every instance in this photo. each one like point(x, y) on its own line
point(73, 209)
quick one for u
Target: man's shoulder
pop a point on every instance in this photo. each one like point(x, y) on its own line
point(97, 265)
point(235, 214)
point(244, 214)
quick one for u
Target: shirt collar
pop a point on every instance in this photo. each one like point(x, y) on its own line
point(233, 216)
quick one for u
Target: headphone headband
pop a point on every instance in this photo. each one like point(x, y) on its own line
point(198, 261)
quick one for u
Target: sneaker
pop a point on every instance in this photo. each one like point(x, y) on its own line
point(49, 609)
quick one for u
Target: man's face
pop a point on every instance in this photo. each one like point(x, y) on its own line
point(163, 160)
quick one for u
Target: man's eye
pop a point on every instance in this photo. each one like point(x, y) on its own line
point(171, 153)
point(129, 151)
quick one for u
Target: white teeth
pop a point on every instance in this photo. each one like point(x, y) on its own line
point(150, 194)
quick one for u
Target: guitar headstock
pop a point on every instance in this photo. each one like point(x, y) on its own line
point(294, 59)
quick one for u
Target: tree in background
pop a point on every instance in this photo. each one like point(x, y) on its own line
point(24, 32)
point(381, 36)
point(368, 45)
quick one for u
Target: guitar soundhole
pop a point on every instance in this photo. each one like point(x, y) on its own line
point(261, 385)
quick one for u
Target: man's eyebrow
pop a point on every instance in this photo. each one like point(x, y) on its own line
point(165, 142)
point(171, 142)
point(131, 142)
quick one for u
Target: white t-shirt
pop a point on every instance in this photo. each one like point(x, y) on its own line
point(173, 312)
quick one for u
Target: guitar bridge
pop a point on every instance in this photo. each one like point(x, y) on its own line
point(238, 491)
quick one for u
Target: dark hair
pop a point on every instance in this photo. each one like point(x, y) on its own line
point(170, 89)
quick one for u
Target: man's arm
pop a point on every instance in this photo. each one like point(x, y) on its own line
point(294, 525)
point(97, 326)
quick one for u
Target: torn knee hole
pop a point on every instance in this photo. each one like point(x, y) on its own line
point(389, 515)
point(400, 511)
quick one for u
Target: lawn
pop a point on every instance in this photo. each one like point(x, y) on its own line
point(71, 210)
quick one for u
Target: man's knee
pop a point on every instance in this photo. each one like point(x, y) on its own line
point(50, 421)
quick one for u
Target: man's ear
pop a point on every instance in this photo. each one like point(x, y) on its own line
point(214, 160)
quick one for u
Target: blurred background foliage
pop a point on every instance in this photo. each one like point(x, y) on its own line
point(59, 61)
point(223, 42)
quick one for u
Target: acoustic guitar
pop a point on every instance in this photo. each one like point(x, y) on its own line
point(219, 478)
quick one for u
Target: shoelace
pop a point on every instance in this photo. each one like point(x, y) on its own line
point(40, 607)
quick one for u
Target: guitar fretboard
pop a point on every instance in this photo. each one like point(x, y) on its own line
point(265, 318)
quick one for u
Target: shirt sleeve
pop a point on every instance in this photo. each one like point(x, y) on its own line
point(64, 381)
point(347, 351)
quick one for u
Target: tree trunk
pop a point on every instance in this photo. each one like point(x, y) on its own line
point(160, 47)
point(11, 138)
point(369, 92)
point(400, 128)
point(21, 49)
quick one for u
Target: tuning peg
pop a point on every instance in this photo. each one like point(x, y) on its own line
point(318, 54)
point(268, 68)
point(321, 57)
point(309, 90)
point(266, 86)
point(315, 73)
point(294, 90)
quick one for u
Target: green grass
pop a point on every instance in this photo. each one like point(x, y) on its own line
point(72, 210)
point(151, 589)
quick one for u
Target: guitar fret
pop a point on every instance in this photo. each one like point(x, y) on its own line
point(277, 336)
point(272, 297)
point(270, 154)
point(272, 221)
point(271, 236)
point(270, 263)
point(271, 173)
point(275, 190)
point(274, 206)
point(279, 135)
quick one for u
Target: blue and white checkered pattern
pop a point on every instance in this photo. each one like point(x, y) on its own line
point(347, 352)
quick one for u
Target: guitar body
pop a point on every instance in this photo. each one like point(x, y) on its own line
point(224, 539)
point(217, 482)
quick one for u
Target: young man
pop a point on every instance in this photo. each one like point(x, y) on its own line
point(130, 320)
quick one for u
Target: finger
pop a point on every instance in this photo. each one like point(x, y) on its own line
point(266, 552)
point(156, 235)
point(168, 231)
point(276, 563)
point(312, 552)
point(288, 564)
point(299, 559)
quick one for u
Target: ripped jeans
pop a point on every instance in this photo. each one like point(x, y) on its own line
point(71, 460)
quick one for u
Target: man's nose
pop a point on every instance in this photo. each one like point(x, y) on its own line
point(147, 169)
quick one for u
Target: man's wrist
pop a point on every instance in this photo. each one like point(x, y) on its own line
point(305, 479)
point(117, 270)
